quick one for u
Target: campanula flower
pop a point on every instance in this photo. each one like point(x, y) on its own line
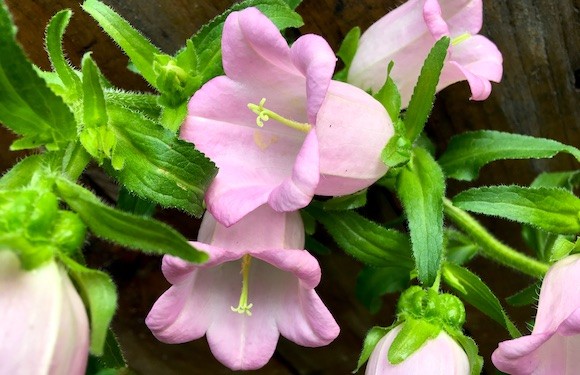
point(278, 128)
point(43, 323)
point(257, 285)
point(405, 36)
point(554, 344)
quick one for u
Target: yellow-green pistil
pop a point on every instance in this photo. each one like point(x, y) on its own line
point(265, 114)
point(460, 38)
point(243, 306)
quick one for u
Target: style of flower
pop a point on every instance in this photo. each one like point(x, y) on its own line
point(554, 344)
point(405, 36)
point(43, 322)
point(438, 356)
point(277, 291)
point(278, 128)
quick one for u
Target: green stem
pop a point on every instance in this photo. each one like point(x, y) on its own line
point(491, 246)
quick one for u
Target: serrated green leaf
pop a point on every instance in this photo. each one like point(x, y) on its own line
point(94, 107)
point(567, 180)
point(468, 152)
point(413, 335)
point(365, 240)
point(157, 165)
point(421, 187)
point(374, 282)
point(136, 232)
point(374, 335)
point(346, 202)
point(473, 290)
point(293, 4)
point(424, 92)
point(470, 348)
point(135, 205)
point(551, 209)
point(173, 117)
point(347, 51)
point(139, 49)
point(27, 106)
point(100, 295)
point(526, 296)
point(53, 41)
point(144, 103)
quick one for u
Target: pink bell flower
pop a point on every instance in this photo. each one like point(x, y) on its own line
point(405, 36)
point(438, 356)
point(274, 292)
point(278, 128)
point(554, 344)
point(44, 327)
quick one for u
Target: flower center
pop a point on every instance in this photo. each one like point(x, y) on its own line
point(243, 306)
point(265, 114)
point(460, 38)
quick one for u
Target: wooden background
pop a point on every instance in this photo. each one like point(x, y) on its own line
point(539, 96)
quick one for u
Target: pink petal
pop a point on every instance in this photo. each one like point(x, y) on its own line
point(312, 55)
point(453, 17)
point(352, 128)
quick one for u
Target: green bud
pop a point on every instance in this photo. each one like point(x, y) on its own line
point(69, 232)
point(41, 219)
point(451, 310)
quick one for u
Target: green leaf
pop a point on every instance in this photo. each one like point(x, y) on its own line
point(94, 107)
point(389, 96)
point(132, 231)
point(413, 335)
point(156, 165)
point(27, 106)
point(293, 4)
point(347, 202)
point(562, 247)
point(365, 240)
point(134, 205)
point(139, 49)
point(173, 117)
point(526, 296)
point(112, 357)
point(374, 335)
point(22, 173)
point(551, 209)
point(460, 248)
point(373, 283)
point(468, 152)
point(473, 290)
point(424, 92)
point(316, 247)
point(144, 103)
point(421, 187)
point(347, 51)
point(470, 348)
point(100, 295)
point(53, 41)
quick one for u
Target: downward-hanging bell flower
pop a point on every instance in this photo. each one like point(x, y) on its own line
point(44, 327)
point(278, 128)
point(554, 344)
point(405, 36)
point(243, 313)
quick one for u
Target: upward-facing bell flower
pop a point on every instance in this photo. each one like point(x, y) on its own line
point(257, 285)
point(277, 127)
point(554, 344)
point(405, 36)
point(44, 327)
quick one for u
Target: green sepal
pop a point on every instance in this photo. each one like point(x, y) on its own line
point(526, 296)
point(53, 41)
point(372, 338)
point(474, 291)
point(470, 348)
point(374, 282)
point(424, 92)
point(309, 222)
point(22, 173)
point(69, 233)
point(99, 294)
point(156, 165)
point(132, 231)
point(421, 187)
point(563, 247)
point(365, 240)
point(346, 52)
point(413, 335)
point(139, 49)
point(173, 117)
point(399, 149)
point(27, 105)
point(468, 152)
point(389, 96)
point(111, 361)
point(346, 202)
point(551, 209)
point(94, 107)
